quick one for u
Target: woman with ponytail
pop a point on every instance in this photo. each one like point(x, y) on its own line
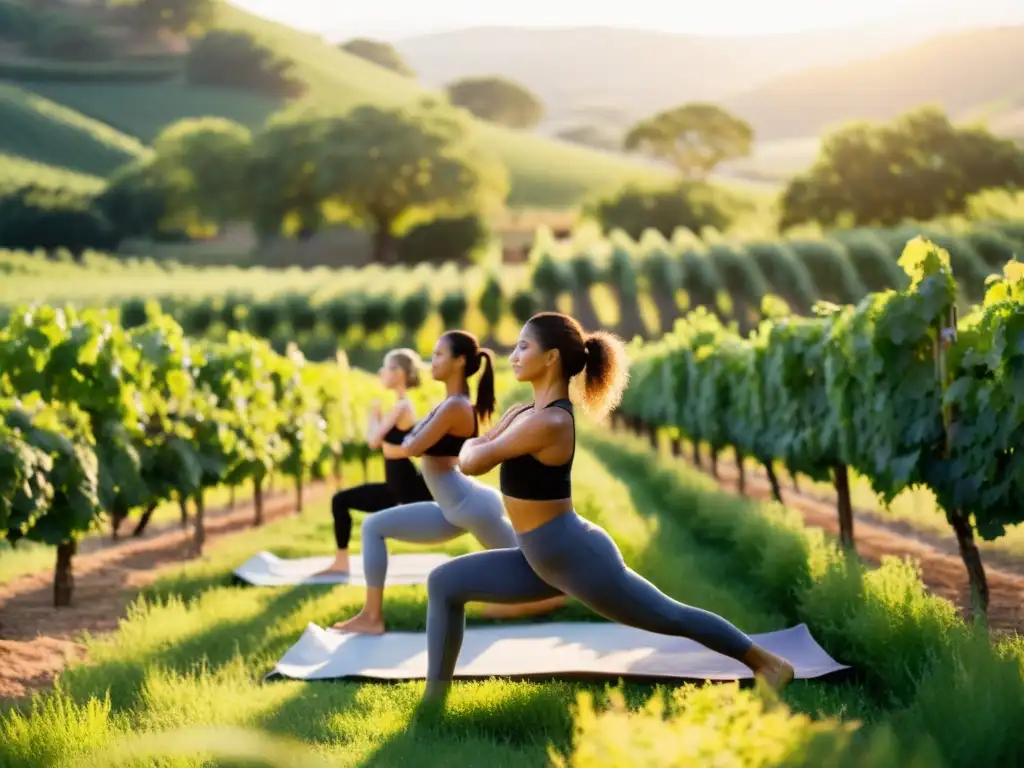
point(558, 552)
point(403, 483)
point(461, 504)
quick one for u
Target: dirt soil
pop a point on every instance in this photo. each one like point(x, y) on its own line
point(942, 570)
point(37, 640)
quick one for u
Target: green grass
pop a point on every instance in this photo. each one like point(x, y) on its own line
point(544, 173)
point(19, 171)
point(193, 651)
point(42, 130)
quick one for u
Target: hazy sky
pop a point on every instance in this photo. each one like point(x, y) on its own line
point(397, 18)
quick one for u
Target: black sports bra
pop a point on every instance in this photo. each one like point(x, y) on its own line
point(525, 477)
point(450, 445)
point(395, 436)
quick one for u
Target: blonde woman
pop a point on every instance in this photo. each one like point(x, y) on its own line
point(403, 484)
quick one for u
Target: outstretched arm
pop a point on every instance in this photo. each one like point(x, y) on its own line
point(530, 434)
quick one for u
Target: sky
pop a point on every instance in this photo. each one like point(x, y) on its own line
point(393, 19)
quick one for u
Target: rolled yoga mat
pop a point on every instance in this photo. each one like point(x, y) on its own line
point(592, 649)
point(265, 569)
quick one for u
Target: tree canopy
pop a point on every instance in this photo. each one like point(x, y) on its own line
point(497, 100)
point(394, 168)
point(389, 170)
point(380, 53)
point(918, 167)
point(237, 60)
point(695, 138)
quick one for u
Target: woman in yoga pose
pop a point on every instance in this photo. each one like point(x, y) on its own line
point(461, 504)
point(558, 551)
point(402, 484)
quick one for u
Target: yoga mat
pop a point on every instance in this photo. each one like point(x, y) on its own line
point(265, 569)
point(555, 649)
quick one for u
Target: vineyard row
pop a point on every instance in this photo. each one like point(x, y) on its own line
point(98, 420)
point(729, 280)
point(896, 387)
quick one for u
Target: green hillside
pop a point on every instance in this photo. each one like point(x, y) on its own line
point(16, 171)
point(544, 173)
point(38, 129)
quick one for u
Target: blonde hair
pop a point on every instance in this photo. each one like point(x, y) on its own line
point(410, 362)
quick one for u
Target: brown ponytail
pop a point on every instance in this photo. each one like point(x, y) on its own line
point(601, 356)
point(465, 344)
point(607, 372)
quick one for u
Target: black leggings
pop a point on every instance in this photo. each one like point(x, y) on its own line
point(369, 497)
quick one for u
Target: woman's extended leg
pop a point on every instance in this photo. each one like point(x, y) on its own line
point(369, 497)
point(419, 523)
point(495, 576)
point(582, 560)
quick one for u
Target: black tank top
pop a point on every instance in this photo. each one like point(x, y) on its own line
point(401, 475)
point(524, 477)
point(450, 445)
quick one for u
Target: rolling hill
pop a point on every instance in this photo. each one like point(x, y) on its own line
point(40, 130)
point(961, 72)
point(544, 173)
point(611, 77)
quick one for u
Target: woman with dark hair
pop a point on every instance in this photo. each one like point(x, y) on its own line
point(559, 552)
point(461, 504)
point(403, 484)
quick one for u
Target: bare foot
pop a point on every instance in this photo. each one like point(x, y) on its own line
point(778, 673)
point(361, 624)
point(338, 567)
point(332, 571)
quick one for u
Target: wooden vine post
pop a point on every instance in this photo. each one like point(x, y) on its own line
point(958, 519)
point(841, 479)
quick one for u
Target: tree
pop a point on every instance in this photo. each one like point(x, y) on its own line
point(497, 100)
point(380, 53)
point(636, 208)
point(395, 167)
point(918, 167)
point(152, 16)
point(282, 182)
point(695, 138)
point(237, 60)
point(136, 201)
point(203, 164)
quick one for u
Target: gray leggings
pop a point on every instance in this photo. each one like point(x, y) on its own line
point(462, 505)
point(567, 555)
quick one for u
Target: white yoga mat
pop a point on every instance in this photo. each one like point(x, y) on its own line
point(265, 569)
point(566, 648)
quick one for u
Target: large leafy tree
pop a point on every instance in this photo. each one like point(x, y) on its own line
point(393, 168)
point(282, 183)
point(380, 53)
point(695, 138)
point(918, 167)
point(203, 162)
point(497, 100)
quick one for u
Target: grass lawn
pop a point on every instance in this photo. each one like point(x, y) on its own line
point(194, 650)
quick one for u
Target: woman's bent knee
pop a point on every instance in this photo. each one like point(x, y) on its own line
point(443, 582)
